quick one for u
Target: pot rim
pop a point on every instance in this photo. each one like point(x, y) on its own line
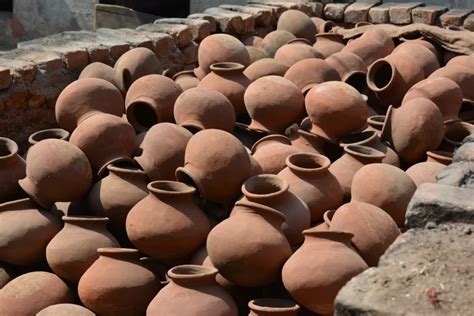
point(196, 272)
point(10, 145)
point(265, 208)
point(324, 234)
point(226, 66)
point(323, 161)
point(64, 135)
point(184, 72)
point(131, 170)
point(371, 73)
point(363, 151)
point(367, 137)
point(266, 305)
point(68, 219)
point(280, 184)
point(168, 187)
point(273, 137)
point(298, 40)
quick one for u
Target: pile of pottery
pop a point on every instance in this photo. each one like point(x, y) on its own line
point(265, 179)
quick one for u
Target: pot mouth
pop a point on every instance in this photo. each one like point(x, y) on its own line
point(443, 157)
point(326, 34)
point(185, 176)
point(363, 23)
point(226, 66)
point(263, 208)
point(357, 138)
point(126, 166)
point(274, 137)
point(307, 162)
point(363, 151)
point(264, 186)
point(192, 126)
point(8, 148)
point(273, 305)
point(330, 234)
point(357, 80)
point(299, 41)
point(455, 132)
point(52, 133)
point(327, 26)
point(191, 271)
point(141, 115)
point(85, 219)
point(119, 252)
point(376, 120)
point(380, 75)
point(104, 168)
point(184, 72)
point(170, 187)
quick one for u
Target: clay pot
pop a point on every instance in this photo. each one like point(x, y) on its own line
point(372, 45)
point(454, 134)
point(462, 60)
point(418, 41)
point(12, 169)
point(392, 194)
point(322, 25)
point(351, 68)
point(252, 41)
point(273, 306)
point(135, 63)
point(117, 283)
point(328, 44)
point(29, 293)
point(98, 70)
point(218, 48)
point(274, 40)
point(309, 179)
point(162, 151)
point(291, 53)
point(444, 92)
point(271, 153)
point(192, 291)
point(463, 76)
point(255, 53)
point(228, 79)
point(265, 67)
point(375, 123)
point(426, 171)
point(307, 73)
point(65, 309)
point(239, 256)
point(74, 249)
point(414, 128)
point(316, 272)
point(84, 98)
point(297, 23)
point(373, 229)
point(56, 171)
point(217, 180)
point(104, 139)
point(336, 109)
point(186, 79)
point(304, 140)
point(184, 231)
point(273, 110)
point(52, 133)
point(25, 230)
point(354, 158)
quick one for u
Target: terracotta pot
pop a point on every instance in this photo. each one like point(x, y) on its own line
point(375, 123)
point(265, 67)
point(274, 40)
point(273, 110)
point(426, 171)
point(12, 169)
point(117, 283)
point(29, 293)
point(252, 41)
point(309, 179)
point(372, 45)
point(104, 139)
point(239, 256)
point(84, 98)
point(228, 79)
point(184, 231)
point(135, 63)
point(444, 92)
point(192, 291)
point(56, 171)
point(373, 229)
point(160, 164)
point(255, 53)
point(454, 134)
point(219, 180)
point(297, 23)
point(52, 133)
point(418, 41)
point(150, 100)
point(25, 230)
point(218, 48)
point(462, 60)
point(320, 268)
point(271, 153)
point(414, 129)
point(74, 249)
point(273, 306)
point(65, 309)
point(291, 53)
point(336, 109)
point(463, 76)
point(354, 158)
point(304, 140)
point(307, 73)
point(351, 68)
point(99, 70)
point(322, 25)
point(328, 44)
point(186, 79)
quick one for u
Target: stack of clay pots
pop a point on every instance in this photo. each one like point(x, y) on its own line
point(258, 183)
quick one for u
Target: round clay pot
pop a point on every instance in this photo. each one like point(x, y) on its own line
point(162, 151)
point(392, 194)
point(454, 134)
point(135, 63)
point(375, 123)
point(265, 67)
point(316, 272)
point(184, 231)
point(462, 60)
point(84, 98)
point(309, 179)
point(322, 25)
point(25, 230)
point(336, 109)
point(228, 79)
point(351, 68)
point(274, 40)
point(272, 191)
point(273, 110)
point(65, 309)
point(271, 153)
point(29, 293)
point(255, 53)
point(273, 306)
point(308, 73)
point(418, 41)
point(291, 53)
point(117, 283)
point(218, 48)
point(12, 169)
point(372, 45)
point(74, 249)
point(304, 140)
point(99, 70)
point(426, 171)
point(444, 92)
point(104, 139)
point(200, 108)
point(52, 133)
point(56, 171)
point(328, 44)
point(186, 79)
point(354, 158)
point(217, 180)
point(297, 23)
point(192, 291)
point(463, 76)
point(239, 256)
point(414, 128)
point(373, 229)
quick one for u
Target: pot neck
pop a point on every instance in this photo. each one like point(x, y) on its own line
point(88, 222)
point(165, 190)
point(272, 216)
point(127, 170)
point(122, 254)
point(364, 154)
point(265, 187)
point(225, 68)
point(273, 306)
point(18, 205)
point(442, 157)
point(270, 139)
point(313, 234)
point(190, 275)
point(308, 164)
